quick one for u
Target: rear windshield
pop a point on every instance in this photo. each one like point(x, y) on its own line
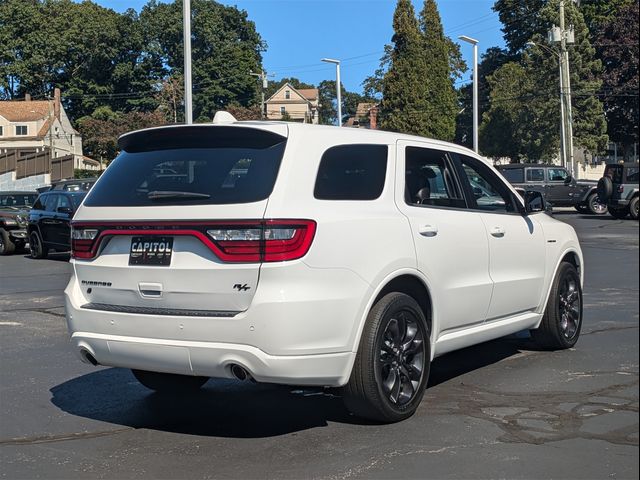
point(513, 175)
point(201, 175)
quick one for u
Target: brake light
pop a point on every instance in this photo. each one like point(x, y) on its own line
point(233, 241)
point(82, 240)
point(620, 188)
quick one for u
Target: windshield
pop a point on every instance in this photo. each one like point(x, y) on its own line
point(17, 199)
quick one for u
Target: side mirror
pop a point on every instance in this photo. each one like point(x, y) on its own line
point(477, 192)
point(65, 210)
point(568, 180)
point(534, 202)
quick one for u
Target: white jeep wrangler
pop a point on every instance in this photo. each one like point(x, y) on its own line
point(309, 255)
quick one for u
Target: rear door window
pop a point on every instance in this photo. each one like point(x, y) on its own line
point(352, 172)
point(632, 174)
point(429, 179)
point(535, 174)
point(191, 166)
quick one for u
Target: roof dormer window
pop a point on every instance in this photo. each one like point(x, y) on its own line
point(21, 130)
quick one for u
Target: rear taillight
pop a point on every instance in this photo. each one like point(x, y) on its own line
point(82, 240)
point(620, 188)
point(232, 241)
point(266, 241)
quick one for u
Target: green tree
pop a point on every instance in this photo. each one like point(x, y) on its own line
point(225, 48)
point(439, 54)
point(101, 129)
point(404, 106)
point(520, 21)
point(542, 101)
point(617, 41)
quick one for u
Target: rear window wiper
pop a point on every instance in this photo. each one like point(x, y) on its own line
point(169, 194)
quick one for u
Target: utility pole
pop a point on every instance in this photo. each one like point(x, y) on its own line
point(265, 83)
point(565, 37)
point(186, 21)
point(474, 42)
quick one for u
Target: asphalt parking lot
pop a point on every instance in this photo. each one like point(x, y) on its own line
point(497, 410)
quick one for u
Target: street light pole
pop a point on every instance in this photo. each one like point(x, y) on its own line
point(338, 92)
point(186, 19)
point(474, 42)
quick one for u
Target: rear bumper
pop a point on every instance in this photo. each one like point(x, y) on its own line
point(301, 328)
point(213, 359)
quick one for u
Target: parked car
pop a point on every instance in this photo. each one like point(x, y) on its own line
point(50, 221)
point(71, 185)
point(557, 186)
point(14, 211)
point(339, 257)
point(618, 188)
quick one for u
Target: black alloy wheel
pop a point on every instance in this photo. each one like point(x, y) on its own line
point(562, 320)
point(570, 306)
point(392, 364)
point(36, 247)
point(401, 359)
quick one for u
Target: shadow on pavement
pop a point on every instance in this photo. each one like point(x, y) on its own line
point(229, 408)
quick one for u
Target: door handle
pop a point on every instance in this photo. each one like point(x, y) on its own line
point(498, 232)
point(428, 231)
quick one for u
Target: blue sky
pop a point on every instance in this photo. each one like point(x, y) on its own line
point(301, 32)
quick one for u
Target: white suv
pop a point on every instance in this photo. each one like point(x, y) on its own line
point(309, 255)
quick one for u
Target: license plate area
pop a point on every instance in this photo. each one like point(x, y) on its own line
point(151, 250)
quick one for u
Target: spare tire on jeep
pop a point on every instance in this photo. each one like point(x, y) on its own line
point(605, 189)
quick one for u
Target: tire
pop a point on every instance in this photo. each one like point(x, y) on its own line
point(169, 382)
point(562, 320)
point(390, 373)
point(595, 206)
point(7, 247)
point(36, 246)
point(633, 208)
point(619, 213)
point(604, 189)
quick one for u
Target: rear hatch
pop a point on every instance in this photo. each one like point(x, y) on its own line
point(175, 225)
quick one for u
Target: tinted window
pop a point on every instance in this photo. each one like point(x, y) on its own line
point(64, 201)
point(50, 203)
point(17, 200)
point(76, 199)
point(535, 175)
point(557, 174)
point(39, 203)
point(352, 172)
point(632, 174)
point(429, 180)
point(217, 169)
point(513, 175)
point(488, 190)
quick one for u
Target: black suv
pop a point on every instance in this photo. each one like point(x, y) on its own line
point(557, 186)
point(618, 188)
point(50, 221)
point(14, 216)
point(72, 185)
